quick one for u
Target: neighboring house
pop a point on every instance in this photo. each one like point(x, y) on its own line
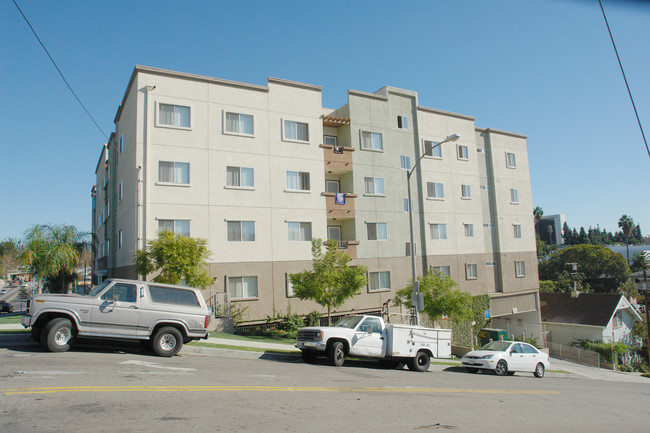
point(260, 170)
point(598, 317)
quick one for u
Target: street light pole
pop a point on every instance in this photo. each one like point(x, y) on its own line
point(415, 296)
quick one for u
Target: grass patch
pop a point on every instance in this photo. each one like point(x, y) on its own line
point(646, 375)
point(453, 363)
point(14, 331)
point(558, 371)
point(244, 348)
point(256, 338)
point(9, 320)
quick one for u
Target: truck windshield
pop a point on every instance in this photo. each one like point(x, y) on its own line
point(99, 288)
point(348, 322)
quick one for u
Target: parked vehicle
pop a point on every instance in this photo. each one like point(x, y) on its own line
point(165, 315)
point(507, 357)
point(6, 307)
point(3, 291)
point(370, 337)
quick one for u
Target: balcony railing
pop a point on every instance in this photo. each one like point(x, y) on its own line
point(338, 159)
point(349, 248)
point(339, 205)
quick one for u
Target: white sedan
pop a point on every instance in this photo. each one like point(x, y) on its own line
point(507, 357)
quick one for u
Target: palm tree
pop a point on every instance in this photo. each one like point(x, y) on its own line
point(538, 213)
point(52, 252)
point(626, 223)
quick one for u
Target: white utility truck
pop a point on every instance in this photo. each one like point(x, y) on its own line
point(368, 336)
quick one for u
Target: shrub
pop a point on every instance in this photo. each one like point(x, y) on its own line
point(291, 323)
point(313, 319)
point(530, 340)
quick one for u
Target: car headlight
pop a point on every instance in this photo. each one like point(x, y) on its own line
point(487, 357)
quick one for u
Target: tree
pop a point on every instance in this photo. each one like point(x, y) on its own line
point(626, 224)
point(9, 255)
point(601, 268)
point(566, 234)
point(177, 258)
point(538, 213)
point(441, 298)
point(52, 252)
point(331, 281)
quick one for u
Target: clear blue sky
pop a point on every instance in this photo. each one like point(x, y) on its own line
point(543, 68)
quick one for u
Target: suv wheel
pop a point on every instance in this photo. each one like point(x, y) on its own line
point(167, 341)
point(57, 335)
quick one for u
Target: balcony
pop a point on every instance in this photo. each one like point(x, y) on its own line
point(349, 248)
point(337, 209)
point(338, 159)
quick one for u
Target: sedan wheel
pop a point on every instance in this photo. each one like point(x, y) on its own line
point(539, 370)
point(501, 368)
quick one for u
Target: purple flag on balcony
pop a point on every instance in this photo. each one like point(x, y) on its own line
point(340, 198)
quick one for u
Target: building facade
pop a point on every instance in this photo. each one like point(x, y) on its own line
point(258, 171)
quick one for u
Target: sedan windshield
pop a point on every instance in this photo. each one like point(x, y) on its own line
point(348, 322)
point(99, 288)
point(497, 346)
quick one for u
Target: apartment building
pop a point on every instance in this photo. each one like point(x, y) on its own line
point(258, 171)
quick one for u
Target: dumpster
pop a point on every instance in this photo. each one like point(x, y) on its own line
point(491, 334)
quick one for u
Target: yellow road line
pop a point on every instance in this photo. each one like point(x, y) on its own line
point(190, 388)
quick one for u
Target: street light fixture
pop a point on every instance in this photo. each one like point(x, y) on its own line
point(417, 301)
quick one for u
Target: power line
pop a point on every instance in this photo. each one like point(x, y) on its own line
point(60, 73)
point(624, 78)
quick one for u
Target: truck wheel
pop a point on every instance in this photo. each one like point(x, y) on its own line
point(167, 341)
point(308, 356)
point(57, 335)
point(420, 362)
point(337, 354)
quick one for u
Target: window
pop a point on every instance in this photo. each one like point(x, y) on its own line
point(332, 186)
point(121, 143)
point(371, 141)
point(517, 230)
point(334, 233)
point(462, 152)
point(240, 177)
point(108, 246)
point(510, 160)
point(297, 131)
point(374, 185)
point(444, 269)
point(433, 149)
point(330, 140)
point(488, 226)
point(297, 181)
point(402, 122)
point(405, 162)
point(435, 190)
point(408, 249)
point(299, 231)
point(174, 115)
point(520, 269)
point(120, 193)
point(618, 319)
point(471, 271)
point(465, 191)
point(378, 281)
point(438, 231)
point(239, 123)
point(290, 292)
point(121, 292)
point(405, 204)
point(485, 187)
point(469, 230)
point(490, 264)
point(119, 240)
point(241, 231)
point(179, 227)
point(173, 296)
point(108, 210)
point(242, 287)
point(377, 232)
point(174, 172)
point(514, 196)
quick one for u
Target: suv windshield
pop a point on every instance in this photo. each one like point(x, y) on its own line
point(497, 346)
point(96, 290)
point(348, 322)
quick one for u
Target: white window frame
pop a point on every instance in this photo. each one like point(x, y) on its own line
point(469, 230)
point(297, 231)
point(439, 230)
point(121, 143)
point(471, 271)
point(520, 269)
point(378, 281)
point(174, 181)
point(290, 126)
point(435, 147)
point(465, 192)
point(335, 141)
point(172, 125)
point(514, 196)
point(516, 231)
point(405, 205)
point(462, 152)
point(378, 188)
point(377, 231)
point(178, 225)
point(402, 122)
point(240, 123)
point(289, 286)
point(119, 239)
point(405, 162)
point(446, 269)
point(239, 235)
point(373, 144)
point(120, 192)
point(238, 169)
point(511, 161)
point(299, 180)
point(252, 280)
point(438, 191)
